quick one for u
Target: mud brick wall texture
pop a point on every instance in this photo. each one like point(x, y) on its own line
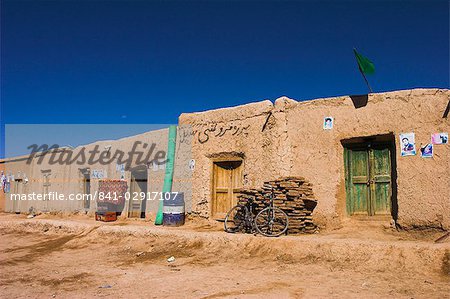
point(294, 195)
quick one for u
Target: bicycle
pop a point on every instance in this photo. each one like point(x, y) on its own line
point(270, 221)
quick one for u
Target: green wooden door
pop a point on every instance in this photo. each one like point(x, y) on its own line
point(368, 181)
point(380, 181)
point(359, 176)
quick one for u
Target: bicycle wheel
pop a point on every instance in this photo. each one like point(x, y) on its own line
point(271, 222)
point(235, 219)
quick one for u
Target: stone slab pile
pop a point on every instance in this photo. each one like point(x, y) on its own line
point(293, 195)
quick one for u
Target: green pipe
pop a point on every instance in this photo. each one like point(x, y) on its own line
point(168, 178)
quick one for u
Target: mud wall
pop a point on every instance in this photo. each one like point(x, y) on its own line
point(2, 194)
point(251, 132)
point(287, 138)
point(67, 178)
point(423, 183)
point(19, 169)
point(282, 139)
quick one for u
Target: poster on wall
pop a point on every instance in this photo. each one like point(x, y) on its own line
point(192, 165)
point(99, 174)
point(439, 138)
point(407, 144)
point(328, 123)
point(426, 151)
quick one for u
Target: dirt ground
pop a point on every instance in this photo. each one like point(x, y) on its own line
point(76, 257)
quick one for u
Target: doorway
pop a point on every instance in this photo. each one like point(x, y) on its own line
point(227, 179)
point(86, 187)
point(18, 189)
point(370, 176)
point(138, 190)
point(46, 188)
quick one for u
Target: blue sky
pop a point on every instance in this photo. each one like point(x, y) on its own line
point(145, 62)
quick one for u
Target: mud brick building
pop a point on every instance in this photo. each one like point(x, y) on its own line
point(355, 168)
point(43, 177)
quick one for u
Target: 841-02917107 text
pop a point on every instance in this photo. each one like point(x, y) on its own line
point(138, 196)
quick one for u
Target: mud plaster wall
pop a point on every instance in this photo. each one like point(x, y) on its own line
point(2, 194)
point(19, 169)
point(66, 179)
point(423, 184)
point(294, 143)
point(236, 133)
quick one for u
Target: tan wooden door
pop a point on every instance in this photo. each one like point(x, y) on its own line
point(227, 179)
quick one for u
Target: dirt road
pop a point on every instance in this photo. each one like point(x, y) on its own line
point(56, 258)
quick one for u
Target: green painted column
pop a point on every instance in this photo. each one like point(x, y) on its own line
point(168, 178)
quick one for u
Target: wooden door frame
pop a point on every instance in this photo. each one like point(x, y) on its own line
point(211, 177)
point(142, 206)
point(46, 184)
point(366, 143)
point(85, 176)
point(18, 184)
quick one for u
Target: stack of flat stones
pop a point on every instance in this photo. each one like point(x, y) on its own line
point(293, 195)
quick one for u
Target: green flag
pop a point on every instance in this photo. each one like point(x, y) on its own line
point(365, 65)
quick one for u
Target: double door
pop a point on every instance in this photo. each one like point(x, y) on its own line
point(368, 180)
point(227, 179)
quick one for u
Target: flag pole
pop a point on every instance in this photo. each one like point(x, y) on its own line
point(365, 79)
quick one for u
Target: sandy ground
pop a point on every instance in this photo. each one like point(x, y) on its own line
point(52, 257)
